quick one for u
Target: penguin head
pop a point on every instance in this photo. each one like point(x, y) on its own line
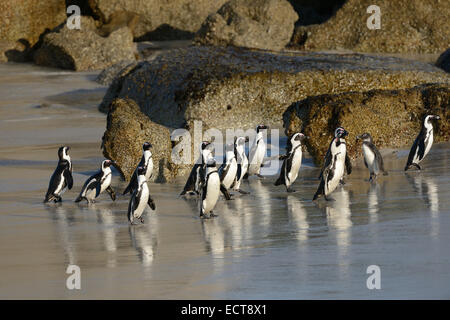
point(107, 163)
point(428, 118)
point(340, 132)
point(63, 152)
point(296, 139)
point(240, 141)
point(261, 127)
point(146, 146)
point(364, 137)
point(205, 144)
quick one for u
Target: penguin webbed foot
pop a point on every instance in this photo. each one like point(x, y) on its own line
point(260, 176)
point(243, 192)
point(328, 198)
point(342, 182)
point(290, 190)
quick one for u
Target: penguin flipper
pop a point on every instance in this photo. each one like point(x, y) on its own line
point(281, 179)
point(111, 193)
point(151, 203)
point(348, 164)
point(320, 189)
point(69, 178)
point(190, 183)
point(412, 153)
point(132, 185)
point(225, 192)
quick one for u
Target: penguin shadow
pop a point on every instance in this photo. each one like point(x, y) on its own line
point(144, 241)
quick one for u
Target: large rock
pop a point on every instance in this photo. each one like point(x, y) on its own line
point(22, 22)
point(392, 117)
point(262, 24)
point(443, 61)
point(85, 49)
point(238, 88)
point(179, 17)
point(420, 26)
point(126, 131)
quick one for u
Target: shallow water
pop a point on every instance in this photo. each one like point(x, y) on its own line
point(267, 245)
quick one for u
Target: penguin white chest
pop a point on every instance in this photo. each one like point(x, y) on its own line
point(369, 157)
point(428, 142)
point(148, 164)
point(231, 174)
point(212, 192)
point(106, 182)
point(296, 164)
point(142, 201)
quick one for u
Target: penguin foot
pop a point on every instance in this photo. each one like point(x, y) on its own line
point(417, 166)
point(329, 199)
point(243, 192)
point(260, 176)
point(142, 220)
point(212, 215)
point(342, 182)
point(290, 190)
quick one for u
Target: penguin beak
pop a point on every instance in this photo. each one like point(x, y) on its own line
point(246, 139)
point(345, 133)
point(358, 137)
point(67, 148)
point(437, 117)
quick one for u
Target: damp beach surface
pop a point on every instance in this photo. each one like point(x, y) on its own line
point(266, 245)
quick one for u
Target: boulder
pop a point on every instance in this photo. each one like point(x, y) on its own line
point(126, 131)
point(392, 117)
point(419, 26)
point(443, 61)
point(23, 22)
point(239, 88)
point(85, 49)
point(262, 24)
point(171, 17)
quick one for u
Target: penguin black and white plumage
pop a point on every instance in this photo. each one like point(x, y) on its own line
point(292, 161)
point(336, 161)
point(140, 198)
point(147, 163)
point(194, 180)
point(61, 178)
point(422, 144)
point(210, 190)
point(228, 169)
point(372, 157)
point(257, 152)
point(97, 183)
point(242, 163)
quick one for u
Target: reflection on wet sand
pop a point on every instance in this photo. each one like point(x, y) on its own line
point(339, 220)
point(215, 241)
point(106, 223)
point(297, 214)
point(372, 202)
point(263, 201)
point(427, 189)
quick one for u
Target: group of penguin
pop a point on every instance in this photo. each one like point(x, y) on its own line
point(207, 181)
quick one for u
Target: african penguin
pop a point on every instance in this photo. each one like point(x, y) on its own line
point(228, 169)
point(210, 190)
point(335, 163)
point(140, 198)
point(422, 144)
point(193, 182)
point(292, 161)
point(372, 157)
point(61, 178)
point(98, 183)
point(242, 163)
point(147, 163)
point(257, 153)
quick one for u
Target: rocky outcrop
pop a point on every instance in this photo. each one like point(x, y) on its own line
point(178, 17)
point(392, 117)
point(443, 61)
point(262, 24)
point(23, 22)
point(420, 26)
point(85, 49)
point(238, 88)
point(126, 131)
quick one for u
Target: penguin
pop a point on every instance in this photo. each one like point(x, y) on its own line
point(61, 178)
point(336, 161)
point(147, 163)
point(140, 198)
point(193, 182)
point(242, 163)
point(97, 183)
point(422, 144)
point(292, 161)
point(257, 153)
point(228, 169)
point(372, 157)
point(210, 190)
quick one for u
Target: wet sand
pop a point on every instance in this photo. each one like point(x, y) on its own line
point(266, 245)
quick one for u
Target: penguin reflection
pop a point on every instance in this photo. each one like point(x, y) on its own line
point(106, 222)
point(144, 240)
point(297, 214)
point(339, 219)
point(372, 199)
point(427, 188)
point(264, 202)
point(64, 217)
